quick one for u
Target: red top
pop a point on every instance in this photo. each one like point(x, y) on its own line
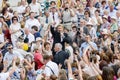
point(37, 58)
point(7, 35)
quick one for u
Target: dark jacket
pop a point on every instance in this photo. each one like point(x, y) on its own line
point(60, 58)
point(57, 37)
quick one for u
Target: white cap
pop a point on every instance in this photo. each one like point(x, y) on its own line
point(38, 39)
point(89, 23)
point(104, 31)
point(106, 17)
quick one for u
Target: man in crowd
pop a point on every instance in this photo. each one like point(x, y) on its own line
point(60, 55)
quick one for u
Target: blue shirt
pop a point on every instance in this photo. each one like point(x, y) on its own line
point(37, 34)
point(85, 45)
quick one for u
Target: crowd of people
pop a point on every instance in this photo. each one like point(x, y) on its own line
point(60, 40)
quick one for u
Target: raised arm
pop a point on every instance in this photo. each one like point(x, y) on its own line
point(79, 68)
point(52, 30)
point(70, 74)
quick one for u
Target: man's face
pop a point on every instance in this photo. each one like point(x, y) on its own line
point(60, 29)
point(67, 5)
point(111, 8)
point(53, 9)
point(32, 15)
point(87, 38)
point(34, 1)
point(81, 23)
point(46, 14)
point(10, 49)
point(104, 20)
point(89, 26)
point(56, 48)
point(23, 2)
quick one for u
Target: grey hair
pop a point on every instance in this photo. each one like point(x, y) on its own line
point(59, 45)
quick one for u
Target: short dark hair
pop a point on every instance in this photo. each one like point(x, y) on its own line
point(35, 28)
point(103, 2)
point(46, 43)
point(52, 2)
point(68, 40)
point(31, 13)
point(97, 11)
point(87, 11)
point(14, 17)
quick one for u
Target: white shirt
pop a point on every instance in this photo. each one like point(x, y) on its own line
point(113, 13)
point(71, 52)
point(35, 8)
point(31, 37)
point(9, 57)
point(85, 45)
point(50, 20)
point(92, 11)
point(31, 22)
point(21, 9)
point(56, 17)
point(54, 68)
point(66, 16)
point(4, 76)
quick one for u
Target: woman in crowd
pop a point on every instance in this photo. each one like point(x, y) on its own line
point(15, 30)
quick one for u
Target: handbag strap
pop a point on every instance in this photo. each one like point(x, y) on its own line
point(50, 69)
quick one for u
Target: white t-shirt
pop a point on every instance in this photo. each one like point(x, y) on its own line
point(53, 67)
point(9, 57)
point(4, 76)
point(35, 8)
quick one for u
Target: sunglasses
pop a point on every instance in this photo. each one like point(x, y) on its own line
point(10, 48)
